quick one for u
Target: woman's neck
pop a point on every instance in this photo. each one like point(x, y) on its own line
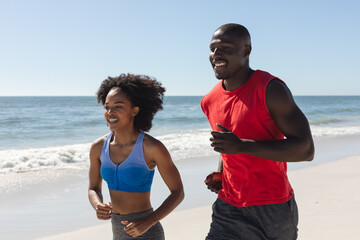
point(125, 136)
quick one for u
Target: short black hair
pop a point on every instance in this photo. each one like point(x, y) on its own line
point(234, 28)
point(143, 92)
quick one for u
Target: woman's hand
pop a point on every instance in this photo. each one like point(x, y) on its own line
point(138, 227)
point(103, 211)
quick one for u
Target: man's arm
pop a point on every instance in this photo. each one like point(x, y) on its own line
point(298, 145)
point(220, 166)
point(214, 179)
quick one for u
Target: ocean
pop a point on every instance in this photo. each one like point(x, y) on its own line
point(56, 132)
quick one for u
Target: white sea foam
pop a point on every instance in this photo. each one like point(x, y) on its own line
point(322, 131)
point(184, 144)
point(192, 143)
point(180, 145)
point(71, 156)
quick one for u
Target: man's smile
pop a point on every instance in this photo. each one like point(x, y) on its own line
point(219, 64)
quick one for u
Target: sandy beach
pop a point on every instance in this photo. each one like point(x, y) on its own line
point(54, 206)
point(328, 196)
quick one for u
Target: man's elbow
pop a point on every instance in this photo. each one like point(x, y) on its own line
point(309, 157)
point(310, 152)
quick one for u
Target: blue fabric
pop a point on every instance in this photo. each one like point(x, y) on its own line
point(132, 175)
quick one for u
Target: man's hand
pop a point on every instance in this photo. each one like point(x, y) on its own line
point(214, 181)
point(225, 141)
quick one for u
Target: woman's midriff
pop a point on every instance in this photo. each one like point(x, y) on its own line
point(129, 202)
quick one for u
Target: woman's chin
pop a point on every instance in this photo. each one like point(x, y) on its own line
point(112, 128)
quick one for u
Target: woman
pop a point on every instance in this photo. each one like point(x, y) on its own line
point(126, 158)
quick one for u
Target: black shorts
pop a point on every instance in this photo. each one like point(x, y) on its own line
point(260, 222)
point(156, 232)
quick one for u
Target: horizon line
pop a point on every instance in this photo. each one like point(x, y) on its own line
point(300, 95)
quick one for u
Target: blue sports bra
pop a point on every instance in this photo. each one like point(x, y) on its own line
point(132, 175)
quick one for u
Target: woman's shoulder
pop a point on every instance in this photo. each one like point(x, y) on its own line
point(151, 143)
point(150, 140)
point(154, 149)
point(98, 143)
point(96, 147)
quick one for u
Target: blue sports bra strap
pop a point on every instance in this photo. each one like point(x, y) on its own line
point(108, 139)
point(141, 137)
point(138, 148)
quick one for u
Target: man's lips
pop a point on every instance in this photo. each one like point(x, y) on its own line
point(219, 64)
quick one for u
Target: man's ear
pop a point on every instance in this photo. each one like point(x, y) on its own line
point(247, 50)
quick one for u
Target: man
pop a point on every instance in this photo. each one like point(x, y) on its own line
point(257, 128)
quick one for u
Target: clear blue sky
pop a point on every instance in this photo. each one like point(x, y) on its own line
point(52, 48)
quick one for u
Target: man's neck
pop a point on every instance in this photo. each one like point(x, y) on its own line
point(237, 81)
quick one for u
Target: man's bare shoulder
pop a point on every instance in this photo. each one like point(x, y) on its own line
point(278, 96)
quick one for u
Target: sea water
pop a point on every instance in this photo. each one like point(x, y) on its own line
point(56, 132)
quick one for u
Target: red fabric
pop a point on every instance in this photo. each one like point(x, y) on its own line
point(248, 180)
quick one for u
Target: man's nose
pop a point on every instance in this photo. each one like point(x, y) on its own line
point(217, 52)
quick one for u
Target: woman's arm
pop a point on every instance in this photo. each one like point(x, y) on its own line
point(95, 181)
point(172, 179)
point(158, 153)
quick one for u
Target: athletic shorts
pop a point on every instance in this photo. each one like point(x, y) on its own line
point(260, 222)
point(156, 232)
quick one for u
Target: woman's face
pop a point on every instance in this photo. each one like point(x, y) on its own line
point(119, 112)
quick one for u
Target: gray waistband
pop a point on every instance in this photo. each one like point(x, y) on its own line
point(131, 216)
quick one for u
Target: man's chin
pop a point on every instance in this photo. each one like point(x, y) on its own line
point(220, 76)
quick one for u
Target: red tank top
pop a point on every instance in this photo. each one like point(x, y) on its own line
point(248, 180)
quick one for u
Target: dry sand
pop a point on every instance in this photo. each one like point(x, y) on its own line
point(328, 197)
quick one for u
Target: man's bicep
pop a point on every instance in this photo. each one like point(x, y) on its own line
point(286, 114)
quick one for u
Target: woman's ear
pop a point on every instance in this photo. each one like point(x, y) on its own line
point(136, 110)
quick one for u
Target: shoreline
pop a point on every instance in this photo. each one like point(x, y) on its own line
point(37, 204)
point(45, 203)
point(319, 190)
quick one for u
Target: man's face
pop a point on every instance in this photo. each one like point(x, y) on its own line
point(228, 54)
